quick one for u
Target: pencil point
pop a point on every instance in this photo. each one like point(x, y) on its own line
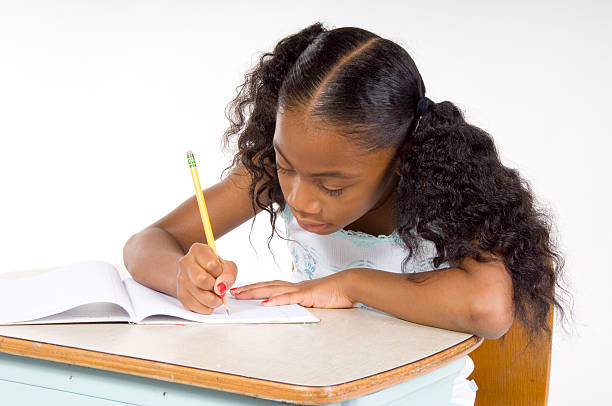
point(227, 312)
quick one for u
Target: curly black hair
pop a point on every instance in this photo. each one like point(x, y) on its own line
point(453, 189)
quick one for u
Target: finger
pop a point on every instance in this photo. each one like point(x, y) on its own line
point(198, 276)
point(204, 297)
point(265, 292)
point(192, 304)
point(206, 257)
point(192, 274)
point(194, 271)
point(244, 288)
point(227, 277)
point(296, 297)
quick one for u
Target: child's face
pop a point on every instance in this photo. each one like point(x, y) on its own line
point(327, 180)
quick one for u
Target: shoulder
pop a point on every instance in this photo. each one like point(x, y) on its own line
point(240, 180)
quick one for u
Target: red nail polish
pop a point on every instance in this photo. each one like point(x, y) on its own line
point(221, 287)
point(265, 301)
point(220, 296)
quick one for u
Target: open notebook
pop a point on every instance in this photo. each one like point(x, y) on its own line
point(93, 291)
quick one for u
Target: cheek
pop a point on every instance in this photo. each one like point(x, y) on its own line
point(347, 210)
point(361, 201)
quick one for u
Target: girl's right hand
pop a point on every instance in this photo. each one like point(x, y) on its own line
point(203, 279)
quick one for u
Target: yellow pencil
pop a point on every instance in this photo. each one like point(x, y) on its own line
point(210, 239)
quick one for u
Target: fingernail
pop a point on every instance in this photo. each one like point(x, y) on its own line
point(221, 288)
point(235, 292)
point(220, 296)
point(265, 301)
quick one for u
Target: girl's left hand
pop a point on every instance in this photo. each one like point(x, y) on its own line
point(327, 292)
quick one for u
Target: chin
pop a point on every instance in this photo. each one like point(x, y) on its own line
point(328, 232)
point(329, 229)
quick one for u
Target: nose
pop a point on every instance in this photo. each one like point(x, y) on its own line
point(301, 198)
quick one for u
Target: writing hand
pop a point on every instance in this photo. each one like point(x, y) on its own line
point(203, 278)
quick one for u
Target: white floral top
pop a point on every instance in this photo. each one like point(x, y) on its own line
point(315, 256)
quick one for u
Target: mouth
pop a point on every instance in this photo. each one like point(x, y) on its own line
point(312, 227)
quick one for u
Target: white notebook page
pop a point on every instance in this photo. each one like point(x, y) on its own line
point(148, 302)
point(62, 289)
point(87, 313)
point(93, 291)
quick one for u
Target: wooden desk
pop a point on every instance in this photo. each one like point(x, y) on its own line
point(353, 356)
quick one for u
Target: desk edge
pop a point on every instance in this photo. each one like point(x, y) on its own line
point(235, 383)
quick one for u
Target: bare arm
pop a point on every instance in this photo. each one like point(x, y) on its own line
point(151, 256)
point(474, 297)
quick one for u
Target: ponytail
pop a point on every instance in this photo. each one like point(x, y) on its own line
point(455, 192)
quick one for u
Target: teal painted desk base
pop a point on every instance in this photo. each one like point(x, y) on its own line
point(30, 381)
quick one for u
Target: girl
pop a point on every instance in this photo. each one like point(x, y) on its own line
point(389, 199)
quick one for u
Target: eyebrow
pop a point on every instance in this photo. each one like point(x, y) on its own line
point(331, 174)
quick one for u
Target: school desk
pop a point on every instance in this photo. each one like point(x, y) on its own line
point(352, 357)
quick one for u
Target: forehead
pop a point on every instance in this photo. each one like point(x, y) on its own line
point(312, 146)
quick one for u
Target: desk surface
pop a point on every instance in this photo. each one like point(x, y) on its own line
point(351, 352)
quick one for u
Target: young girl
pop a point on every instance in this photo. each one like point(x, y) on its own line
point(389, 199)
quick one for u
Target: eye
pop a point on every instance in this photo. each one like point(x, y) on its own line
point(331, 192)
point(282, 170)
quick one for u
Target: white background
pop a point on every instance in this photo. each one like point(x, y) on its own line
point(100, 100)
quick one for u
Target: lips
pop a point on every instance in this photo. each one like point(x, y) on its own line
point(310, 226)
point(309, 223)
